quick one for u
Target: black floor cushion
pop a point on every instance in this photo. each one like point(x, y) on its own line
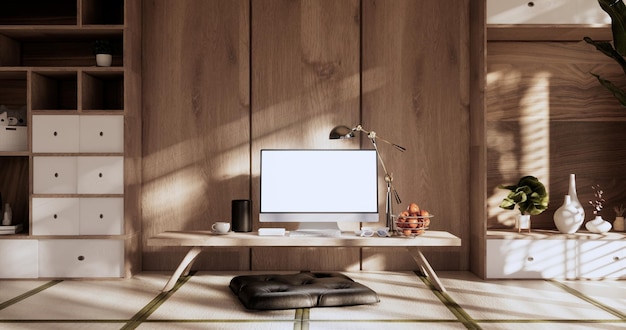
point(302, 290)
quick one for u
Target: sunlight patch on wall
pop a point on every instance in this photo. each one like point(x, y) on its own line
point(533, 145)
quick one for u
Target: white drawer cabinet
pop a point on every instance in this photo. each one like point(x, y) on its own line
point(19, 258)
point(545, 12)
point(602, 259)
point(524, 258)
point(78, 216)
point(101, 175)
point(78, 175)
point(101, 134)
point(81, 258)
point(55, 216)
point(55, 175)
point(55, 133)
point(101, 216)
point(74, 133)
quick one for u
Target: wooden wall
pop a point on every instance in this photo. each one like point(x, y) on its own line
point(548, 116)
point(224, 79)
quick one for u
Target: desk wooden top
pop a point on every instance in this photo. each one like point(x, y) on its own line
point(207, 238)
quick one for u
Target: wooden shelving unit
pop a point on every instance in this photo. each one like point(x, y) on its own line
point(47, 67)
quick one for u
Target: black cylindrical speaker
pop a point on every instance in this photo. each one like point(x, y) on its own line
point(241, 215)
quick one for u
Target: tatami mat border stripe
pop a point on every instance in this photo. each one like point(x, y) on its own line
point(455, 308)
point(589, 299)
point(28, 294)
point(145, 312)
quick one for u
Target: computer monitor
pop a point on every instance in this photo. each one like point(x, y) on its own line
point(319, 188)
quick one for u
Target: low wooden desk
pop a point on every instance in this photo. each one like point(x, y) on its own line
point(198, 240)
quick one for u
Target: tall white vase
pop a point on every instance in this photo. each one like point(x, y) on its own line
point(568, 217)
point(574, 196)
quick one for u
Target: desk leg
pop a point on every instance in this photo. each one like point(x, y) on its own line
point(425, 267)
point(183, 268)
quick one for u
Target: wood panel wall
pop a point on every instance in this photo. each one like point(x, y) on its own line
point(196, 122)
point(549, 117)
point(399, 67)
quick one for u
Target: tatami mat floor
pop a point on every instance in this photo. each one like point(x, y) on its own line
point(204, 301)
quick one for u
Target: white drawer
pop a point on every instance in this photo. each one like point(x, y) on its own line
point(101, 175)
point(101, 216)
point(545, 12)
point(56, 216)
point(521, 258)
point(19, 258)
point(55, 133)
point(101, 134)
point(81, 258)
point(54, 175)
point(601, 259)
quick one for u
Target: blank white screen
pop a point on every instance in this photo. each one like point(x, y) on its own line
point(319, 181)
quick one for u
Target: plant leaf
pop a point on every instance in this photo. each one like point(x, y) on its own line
point(619, 94)
point(617, 12)
point(607, 49)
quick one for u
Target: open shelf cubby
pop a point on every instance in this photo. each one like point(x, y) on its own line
point(13, 87)
point(38, 12)
point(103, 90)
point(54, 90)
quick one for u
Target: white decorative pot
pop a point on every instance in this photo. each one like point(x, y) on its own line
point(104, 59)
point(568, 218)
point(523, 222)
point(598, 225)
point(618, 224)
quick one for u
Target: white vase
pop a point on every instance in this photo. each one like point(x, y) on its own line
point(104, 59)
point(618, 224)
point(568, 217)
point(574, 196)
point(598, 225)
point(523, 222)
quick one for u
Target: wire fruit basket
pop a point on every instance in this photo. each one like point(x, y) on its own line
point(411, 226)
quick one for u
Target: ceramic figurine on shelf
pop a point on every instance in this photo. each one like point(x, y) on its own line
point(598, 225)
point(8, 214)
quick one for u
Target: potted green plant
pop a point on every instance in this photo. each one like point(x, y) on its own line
point(103, 49)
point(617, 11)
point(530, 197)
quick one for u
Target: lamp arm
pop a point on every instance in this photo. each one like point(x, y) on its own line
point(372, 135)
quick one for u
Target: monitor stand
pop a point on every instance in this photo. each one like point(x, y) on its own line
point(317, 229)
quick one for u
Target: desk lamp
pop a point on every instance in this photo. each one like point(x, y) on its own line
point(343, 132)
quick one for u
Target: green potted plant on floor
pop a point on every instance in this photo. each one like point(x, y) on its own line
point(530, 197)
point(103, 49)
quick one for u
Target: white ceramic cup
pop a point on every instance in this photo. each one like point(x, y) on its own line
point(221, 227)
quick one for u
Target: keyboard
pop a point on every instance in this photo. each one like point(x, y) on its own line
point(316, 233)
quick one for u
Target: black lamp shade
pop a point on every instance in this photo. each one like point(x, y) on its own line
point(341, 132)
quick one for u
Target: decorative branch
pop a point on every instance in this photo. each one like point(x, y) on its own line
point(599, 202)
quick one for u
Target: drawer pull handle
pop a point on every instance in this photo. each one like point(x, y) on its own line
point(616, 258)
point(100, 175)
point(55, 133)
point(531, 259)
point(54, 216)
point(56, 175)
point(81, 258)
point(530, 4)
point(101, 216)
point(101, 133)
